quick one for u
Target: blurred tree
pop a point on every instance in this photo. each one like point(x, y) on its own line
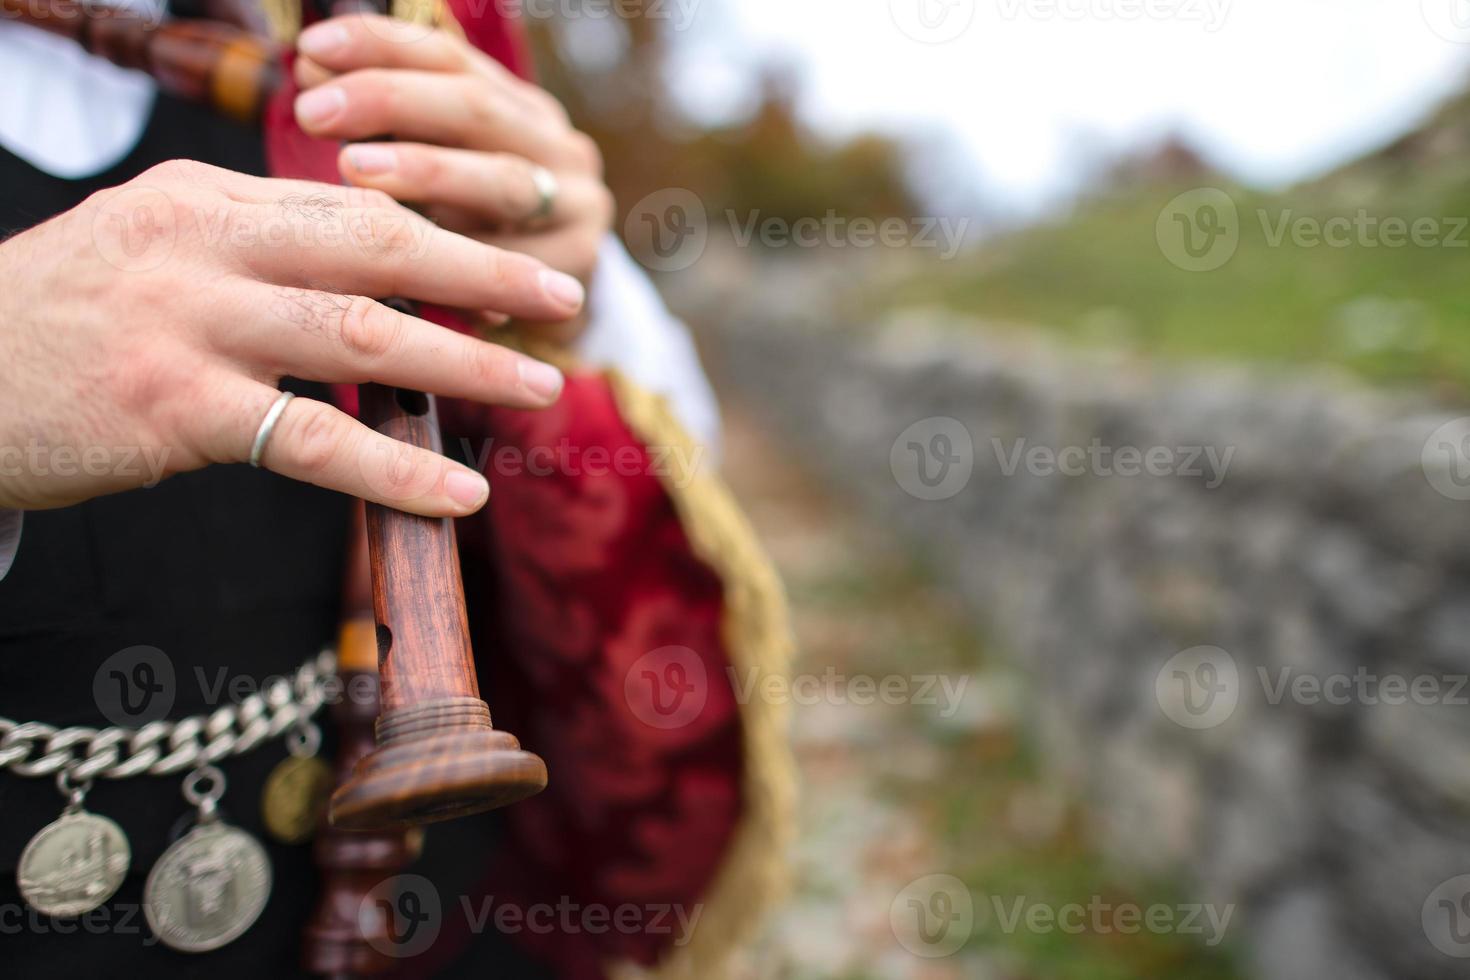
point(611, 71)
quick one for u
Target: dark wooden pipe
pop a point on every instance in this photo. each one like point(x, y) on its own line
point(438, 756)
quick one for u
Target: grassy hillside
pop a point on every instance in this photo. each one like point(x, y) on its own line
point(1375, 299)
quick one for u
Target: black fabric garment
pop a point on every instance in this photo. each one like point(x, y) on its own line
point(232, 575)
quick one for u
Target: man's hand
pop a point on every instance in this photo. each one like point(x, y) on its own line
point(155, 321)
point(471, 136)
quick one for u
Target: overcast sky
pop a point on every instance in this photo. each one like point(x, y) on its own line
point(1273, 90)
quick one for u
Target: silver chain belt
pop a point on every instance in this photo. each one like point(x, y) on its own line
point(160, 748)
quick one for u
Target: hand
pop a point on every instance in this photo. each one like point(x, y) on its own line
point(472, 135)
point(155, 320)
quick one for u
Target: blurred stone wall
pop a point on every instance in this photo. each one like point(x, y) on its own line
point(1249, 657)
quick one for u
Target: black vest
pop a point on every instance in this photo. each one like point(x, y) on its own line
point(230, 575)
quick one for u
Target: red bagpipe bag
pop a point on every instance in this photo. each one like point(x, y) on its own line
point(622, 605)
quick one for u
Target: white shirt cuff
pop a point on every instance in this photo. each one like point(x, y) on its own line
point(10, 521)
point(632, 330)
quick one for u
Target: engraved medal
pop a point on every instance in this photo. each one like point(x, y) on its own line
point(297, 790)
point(76, 863)
point(211, 885)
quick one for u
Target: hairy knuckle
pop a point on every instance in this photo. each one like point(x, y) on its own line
point(365, 331)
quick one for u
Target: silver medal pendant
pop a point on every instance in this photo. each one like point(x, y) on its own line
point(211, 885)
point(75, 863)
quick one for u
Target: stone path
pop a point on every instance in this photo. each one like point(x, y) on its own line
point(921, 800)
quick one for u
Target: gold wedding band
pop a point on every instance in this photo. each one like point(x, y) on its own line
point(268, 426)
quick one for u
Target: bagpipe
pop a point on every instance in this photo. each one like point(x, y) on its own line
point(650, 579)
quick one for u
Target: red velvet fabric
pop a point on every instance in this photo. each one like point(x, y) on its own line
point(576, 571)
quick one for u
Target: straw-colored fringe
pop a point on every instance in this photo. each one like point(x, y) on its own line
point(757, 636)
point(434, 12)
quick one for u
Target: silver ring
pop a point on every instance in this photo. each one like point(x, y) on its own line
point(547, 187)
point(267, 426)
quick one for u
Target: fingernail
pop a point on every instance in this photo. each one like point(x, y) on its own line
point(320, 40)
point(541, 379)
point(372, 159)
point(467, 489)
point(320, 105)
point(563, 288)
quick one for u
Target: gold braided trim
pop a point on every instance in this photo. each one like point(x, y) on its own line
point(433, 12)
point(757, 634)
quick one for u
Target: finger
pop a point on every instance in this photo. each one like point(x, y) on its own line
point(499, 187)
point(315, 443)
point(344, 44)
point(310, 334)
point(365, 40)
point(314, 241)
point(309, 74)
point(431, 107)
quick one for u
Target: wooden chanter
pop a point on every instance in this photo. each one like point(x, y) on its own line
point(438, 756)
